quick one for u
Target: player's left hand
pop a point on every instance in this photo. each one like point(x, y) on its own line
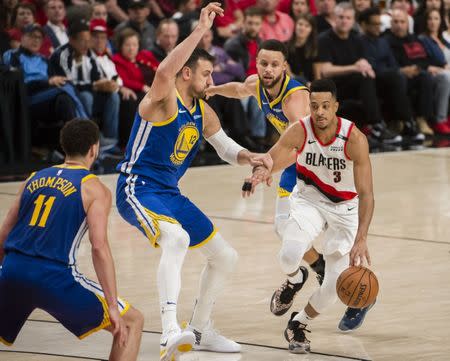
point(359, 253)
point(119, 329)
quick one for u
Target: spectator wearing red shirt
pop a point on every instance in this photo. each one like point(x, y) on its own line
point(276, 24)
point(137, 70)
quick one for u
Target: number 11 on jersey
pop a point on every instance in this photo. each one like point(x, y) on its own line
point(39, 202)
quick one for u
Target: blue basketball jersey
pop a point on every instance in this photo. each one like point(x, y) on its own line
point(162, 151)
point(273, 110)
point(52, 220)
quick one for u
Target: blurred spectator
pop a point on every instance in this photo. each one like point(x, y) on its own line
point(4, 37)
point(419, 17)
point(361, 5)
point(185, 16)
point(137, 70)
point(22, 16)
point(341, 54)
point(53, 97)
point(7, 8)
point(244, 46)
point(303, 50)
point(112, 7)
point(230, 111)
point(391, 83)
point(55, 28)
point(99, 11)
point(166, 38)
point(405, 5)
point(138, 11)
point(276, 25)
point(76, 62)
point(298, 7)
point(431, 82)
point(325, 18)
point(229, 24)
point(164, 8)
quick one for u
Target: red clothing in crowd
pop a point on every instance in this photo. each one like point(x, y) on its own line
point(285, 6)
point(132, 73)
point(252, 48)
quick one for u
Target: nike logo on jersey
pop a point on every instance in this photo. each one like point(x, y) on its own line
point(351, 209)
point(197, 116)
point(181, 111)
point(311, 141)
point(278, 110)
point(265, 103)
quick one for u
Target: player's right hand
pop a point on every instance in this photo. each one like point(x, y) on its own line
point(208, 13)
point(210, 92)
point(119, 329)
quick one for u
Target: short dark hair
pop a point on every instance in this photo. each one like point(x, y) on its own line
point(197, 54)
point(78, 136)
point(77, 26)
point(254, 11)
point(365, 15)
point(323, 86)
point(274, 45)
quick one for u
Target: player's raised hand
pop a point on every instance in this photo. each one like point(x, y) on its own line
point(208, 13)
point(119, 329)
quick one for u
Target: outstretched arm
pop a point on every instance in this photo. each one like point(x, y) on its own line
point(235, 89)
point(97, 204)
point(163, 93)
point(296, 105)
point(10, 221)
point(358, 151)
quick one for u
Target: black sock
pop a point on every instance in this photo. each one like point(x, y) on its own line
point(319, 265)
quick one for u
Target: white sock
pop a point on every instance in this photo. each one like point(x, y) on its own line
point(169, 316)
point(297, 278)
point(302, 317)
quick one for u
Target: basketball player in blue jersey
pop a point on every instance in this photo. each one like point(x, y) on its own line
point(164, 139)
point(334, 195)
point(39, 240)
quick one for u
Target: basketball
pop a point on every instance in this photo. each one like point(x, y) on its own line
point(357, 287)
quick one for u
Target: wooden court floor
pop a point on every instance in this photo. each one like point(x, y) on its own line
point(409, 242)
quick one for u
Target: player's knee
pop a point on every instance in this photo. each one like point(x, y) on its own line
point(173, 237)
point(226, 260)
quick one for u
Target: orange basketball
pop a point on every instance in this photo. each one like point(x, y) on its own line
point(357, 287)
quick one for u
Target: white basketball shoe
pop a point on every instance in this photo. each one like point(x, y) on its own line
point(174, 342)
point(210, 339)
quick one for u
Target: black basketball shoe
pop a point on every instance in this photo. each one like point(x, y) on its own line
point(319, 268)
point(295, 335)
point(283, 297)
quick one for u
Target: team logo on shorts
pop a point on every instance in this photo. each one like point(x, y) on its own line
point(186, 140)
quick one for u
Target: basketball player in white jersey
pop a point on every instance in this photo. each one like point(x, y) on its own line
point(334, 195)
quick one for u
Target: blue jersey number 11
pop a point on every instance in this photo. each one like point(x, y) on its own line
point(39, 202)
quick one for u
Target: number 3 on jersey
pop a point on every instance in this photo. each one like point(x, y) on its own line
point(39, 202)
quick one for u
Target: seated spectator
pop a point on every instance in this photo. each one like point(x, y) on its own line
point(391, 83)
point(138, 11)
point(342, 58)
point(99, 12)
point(243, 49)
point(298, 7)
point(430, 82)
point(7, 9)
point(446, 33)
point(185, 16)
point(76, 62)
point(164, 8)
point(166, 39)
point(359, 6)
point(137, 70)
point(4, 37)
point(55, 28)
point(419, 17)
point(276, 24)
point(325, 17)
point(23, 15)
point(51, 96)
point(405, 5)
point(303, 50)
point(229, 24)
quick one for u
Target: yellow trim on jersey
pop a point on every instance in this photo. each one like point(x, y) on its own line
point(89, 176)
point(202, 109)
point(6, 343)
point(70, 166)
point(153, 238)
point(290, 91)
point(206, 240)
point(30, 176)
point(258, 94)
point(106, 322)
point(193, 109)
point(283, 193)
point(279, 97)
point(165, 122)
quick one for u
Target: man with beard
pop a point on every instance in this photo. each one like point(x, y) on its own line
point(164, 140)
point(333, 196)
point(284, 101)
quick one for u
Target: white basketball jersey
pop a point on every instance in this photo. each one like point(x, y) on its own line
point(324, 171)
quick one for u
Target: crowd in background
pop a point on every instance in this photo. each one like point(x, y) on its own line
point(97, 59)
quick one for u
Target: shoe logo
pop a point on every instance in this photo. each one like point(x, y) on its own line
point(164, 344)
point(311, 141)
point(198, 336)
point(351, 208)
point(376, 133)
point(171, 303)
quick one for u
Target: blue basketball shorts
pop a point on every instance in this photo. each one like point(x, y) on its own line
point(288, 181)
point(143, 205)
point(27, 283)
